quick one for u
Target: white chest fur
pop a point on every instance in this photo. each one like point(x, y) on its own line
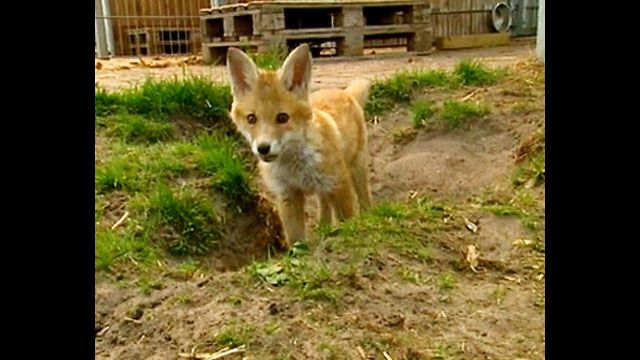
point(300, 170)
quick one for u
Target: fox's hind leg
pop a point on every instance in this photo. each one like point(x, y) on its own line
point(360, 180)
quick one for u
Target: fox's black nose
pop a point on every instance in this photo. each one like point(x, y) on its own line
point(264, 149)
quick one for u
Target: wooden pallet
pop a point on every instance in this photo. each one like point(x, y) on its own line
point(350, 25)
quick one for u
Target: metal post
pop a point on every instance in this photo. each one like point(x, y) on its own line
point(111, 44)
point(101, 39)
point(540, 36)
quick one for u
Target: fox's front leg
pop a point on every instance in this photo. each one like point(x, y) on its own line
point(326, 211)
point(291, 211)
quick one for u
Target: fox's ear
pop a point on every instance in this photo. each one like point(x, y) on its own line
point(242, 71)
point(295, 73)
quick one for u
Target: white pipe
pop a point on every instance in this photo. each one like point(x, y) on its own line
point(100, 35)
point(108, 26)
point(540, 35)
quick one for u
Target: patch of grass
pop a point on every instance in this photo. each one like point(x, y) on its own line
point(403, 135)
point(140, 168)
point(531, 157)
point(272, 328)
point(402, 86)
point(135, 168)
point(504, 210)
point(539, 246)
point(528, 220)
point(162, 161)
point(186, 221)
point(234, 300)
point(162, 180)
point(525, 199)
point(106, 103)
point(372, 223)
point(387, 210)
point(524, 107)
point(137, 129)
point(384, 229)
point(183, 221)
point(444, 351)
point(432, 78)
point(422, 111)
point(373, 344)
point(474, 73)
point(114, 247)
point(455, 113)
point(271, 59)
point(498, 294)
point(147, 285)
point(188, 268)
point(117, 174)
point(429, 208)
point(424, 255)
point(183, 299)
point(399, 88)
point(410, 276)
point(401, 229)
point(522, 205)
point(384, 94)
point(324, 230)
point(229, 172)
point(235, 335)
point(308, 279)
point(330, 350)
point(386, 225)
point(136, 312)
point(195, 96)
point(447, 281)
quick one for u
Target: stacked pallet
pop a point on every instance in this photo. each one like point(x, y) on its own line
point(339, 28)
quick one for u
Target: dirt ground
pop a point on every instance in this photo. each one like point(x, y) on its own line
point(120, 72)
point(409, 320)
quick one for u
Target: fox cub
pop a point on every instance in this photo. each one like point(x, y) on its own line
point(307, 143)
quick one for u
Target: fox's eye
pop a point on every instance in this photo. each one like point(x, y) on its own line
point(282, 118)
point(251, 119)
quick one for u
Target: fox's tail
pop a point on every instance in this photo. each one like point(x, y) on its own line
point(359, 89)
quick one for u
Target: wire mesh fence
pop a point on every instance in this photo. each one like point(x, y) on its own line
point(148, 27)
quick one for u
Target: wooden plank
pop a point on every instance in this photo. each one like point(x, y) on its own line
point(389, 29)
point(233, 14)
point(470, 41)
point(316, 4)
point(312, 3)
point(310, 35)
point(234, 43)
point(312, 31)
point(377, 56)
